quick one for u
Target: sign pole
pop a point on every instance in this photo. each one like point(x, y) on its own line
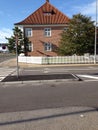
point(17, 67)
point(95, 35)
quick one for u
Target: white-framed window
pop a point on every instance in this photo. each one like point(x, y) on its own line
point(47, 13)
point(47, 32)
point(28, 32)
point(66, 28)
point(30, 46)
point(48, 46)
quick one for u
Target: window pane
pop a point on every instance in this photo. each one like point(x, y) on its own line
point(28, 32)
point(47, 31)
point(48, 46)
point(30, 47)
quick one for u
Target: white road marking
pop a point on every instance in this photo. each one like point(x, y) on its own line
point(46, 70)
point(88, 76)
point(1, 78)
point(4, 72)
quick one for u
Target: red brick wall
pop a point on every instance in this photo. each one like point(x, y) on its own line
point(38, 39)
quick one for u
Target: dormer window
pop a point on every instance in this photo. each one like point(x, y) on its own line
point(48, 13)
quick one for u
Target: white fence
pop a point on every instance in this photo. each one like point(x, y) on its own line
point(86, 59)
point(30, 59)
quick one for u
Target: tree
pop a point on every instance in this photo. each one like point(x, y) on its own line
point(22, 41)
point(12, 40)
point(11, 44)
point(79, 36)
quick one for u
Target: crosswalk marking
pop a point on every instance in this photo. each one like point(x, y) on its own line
point(4, 72)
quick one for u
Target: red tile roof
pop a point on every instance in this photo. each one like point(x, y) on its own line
point(46, 14)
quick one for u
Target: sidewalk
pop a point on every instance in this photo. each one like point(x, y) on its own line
point(69, 118)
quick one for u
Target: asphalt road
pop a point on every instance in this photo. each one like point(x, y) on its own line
point(22, 97)
point(76, 69)
point(31, 96)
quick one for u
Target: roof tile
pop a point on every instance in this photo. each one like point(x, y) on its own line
point(46, 14)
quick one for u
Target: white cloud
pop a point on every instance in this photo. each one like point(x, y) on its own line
point(5, 32)
point(87, 9)
point(83, 8)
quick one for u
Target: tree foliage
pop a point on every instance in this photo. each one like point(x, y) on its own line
point(11, 44)
point(79, 36)
point(22, 41)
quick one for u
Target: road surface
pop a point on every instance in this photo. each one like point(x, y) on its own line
point(21, 97)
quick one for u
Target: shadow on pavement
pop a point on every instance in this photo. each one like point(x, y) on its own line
point(48, 117)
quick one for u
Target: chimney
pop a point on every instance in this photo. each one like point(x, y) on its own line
point(47, 0)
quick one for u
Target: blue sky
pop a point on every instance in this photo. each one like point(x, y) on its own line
point(13, 11)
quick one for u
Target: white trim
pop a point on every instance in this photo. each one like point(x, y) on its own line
point(45, 25)
point(28, 32)
point(47, 32)
point(30, 46)
point(48, 46)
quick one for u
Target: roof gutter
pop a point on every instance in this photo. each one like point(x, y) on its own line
point(42, 25)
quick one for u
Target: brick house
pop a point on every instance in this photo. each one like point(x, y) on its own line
point(43, 28)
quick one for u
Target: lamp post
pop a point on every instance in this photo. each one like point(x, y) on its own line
point(17, 67)
point(95, 34)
